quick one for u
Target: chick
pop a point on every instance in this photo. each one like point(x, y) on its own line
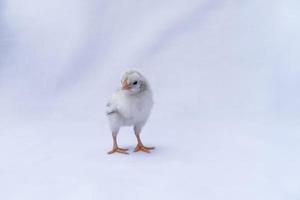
point(130, 106)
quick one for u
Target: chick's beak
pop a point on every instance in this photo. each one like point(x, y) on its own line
point(125, 85)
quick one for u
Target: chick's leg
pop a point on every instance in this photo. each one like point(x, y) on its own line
point(115, 148)
point(140, 146)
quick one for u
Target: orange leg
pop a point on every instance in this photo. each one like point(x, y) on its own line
point(140, 146)
point(117, 149)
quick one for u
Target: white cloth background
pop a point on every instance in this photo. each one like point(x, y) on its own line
point(225, 76)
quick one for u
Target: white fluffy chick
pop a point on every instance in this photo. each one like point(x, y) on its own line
point(130, 106)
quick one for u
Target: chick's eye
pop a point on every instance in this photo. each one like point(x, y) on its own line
point(134, 83)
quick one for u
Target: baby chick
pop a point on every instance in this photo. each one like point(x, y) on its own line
point(130, 106)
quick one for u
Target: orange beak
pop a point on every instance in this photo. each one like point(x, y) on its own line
point(125, 85)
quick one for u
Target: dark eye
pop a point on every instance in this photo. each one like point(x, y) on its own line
point(134, 83)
